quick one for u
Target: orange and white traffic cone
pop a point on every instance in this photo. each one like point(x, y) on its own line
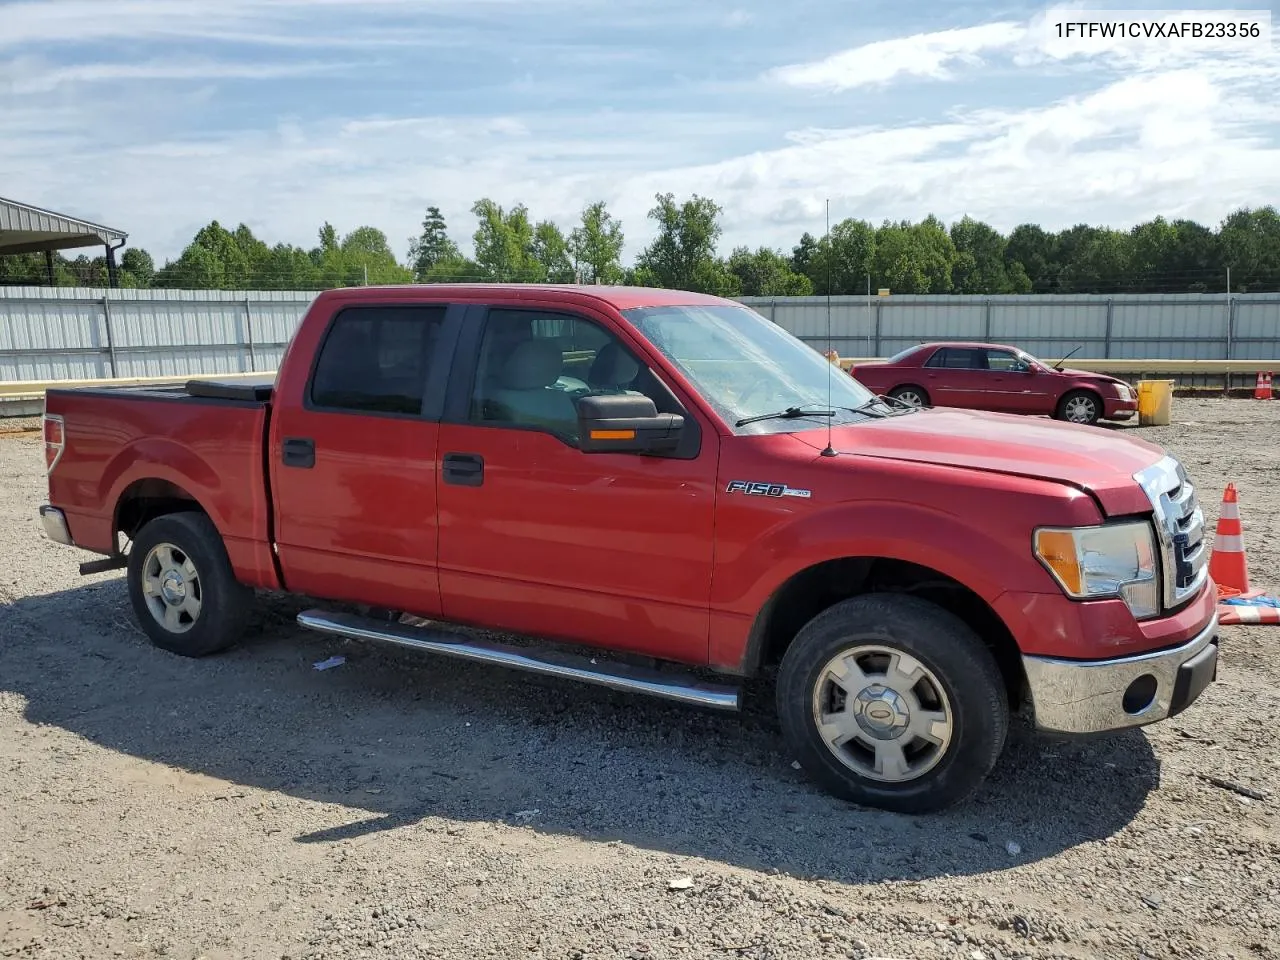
point(1262, 387)
point(1230, 613)
point(1227, 564)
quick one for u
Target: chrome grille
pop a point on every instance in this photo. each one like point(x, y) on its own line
point(1179, 524)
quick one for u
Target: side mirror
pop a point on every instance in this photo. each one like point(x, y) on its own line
point(626, 423)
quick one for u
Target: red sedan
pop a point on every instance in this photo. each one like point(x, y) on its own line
point(989, 376)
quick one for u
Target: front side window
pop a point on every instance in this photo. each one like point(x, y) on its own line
point(535, 364)
point(745, 366)
point(375, 359)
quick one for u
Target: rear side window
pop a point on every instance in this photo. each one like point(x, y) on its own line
point(959, 358)
point(375, 359)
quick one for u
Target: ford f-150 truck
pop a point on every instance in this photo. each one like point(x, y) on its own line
point(661, 492)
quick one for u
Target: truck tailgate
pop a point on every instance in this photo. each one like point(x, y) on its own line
point(122, 442)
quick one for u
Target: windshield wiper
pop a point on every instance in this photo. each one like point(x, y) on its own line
point(791, 413)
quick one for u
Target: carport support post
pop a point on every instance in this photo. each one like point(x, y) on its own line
point(112, 278)
point(48, 263)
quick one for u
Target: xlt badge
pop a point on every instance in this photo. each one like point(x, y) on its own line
point(758, 488)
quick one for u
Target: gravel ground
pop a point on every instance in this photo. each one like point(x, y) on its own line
point(250, 806)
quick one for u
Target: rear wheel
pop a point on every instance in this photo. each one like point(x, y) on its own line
point(892, 702)
point(184, 592)
point(912, 396)
point(1080, 406)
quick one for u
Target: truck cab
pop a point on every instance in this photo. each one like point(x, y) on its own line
point(662, 492)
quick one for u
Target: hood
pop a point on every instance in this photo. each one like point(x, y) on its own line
point(1091, 375)
point(1097, 460)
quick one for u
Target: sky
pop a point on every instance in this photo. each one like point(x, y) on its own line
point(157, 116)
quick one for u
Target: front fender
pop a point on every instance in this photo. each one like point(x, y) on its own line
point(978, 552)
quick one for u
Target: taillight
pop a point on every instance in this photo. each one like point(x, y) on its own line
point(55, 440)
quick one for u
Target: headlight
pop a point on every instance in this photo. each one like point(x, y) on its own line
point(1116, 560)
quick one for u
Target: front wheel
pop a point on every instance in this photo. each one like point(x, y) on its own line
point(911, 396)
point(184, 593)
point(1080, 406)
point(892, 702)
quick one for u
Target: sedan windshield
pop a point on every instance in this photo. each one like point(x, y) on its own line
point(745, 366)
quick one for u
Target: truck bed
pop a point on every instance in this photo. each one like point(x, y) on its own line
point(200, 440)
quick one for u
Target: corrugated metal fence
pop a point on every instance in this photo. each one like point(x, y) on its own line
point(64, 333)
point(1165, 326)
point(68, 334)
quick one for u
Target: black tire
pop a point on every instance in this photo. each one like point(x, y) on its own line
point(1079, 398)
point(946, 648)
point(224, 603)
point(907, 390)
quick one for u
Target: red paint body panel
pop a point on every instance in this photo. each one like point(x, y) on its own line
point(212, 451)
point(645, 554)
point(1048, 624)
point(608, 549)
point(1036, 392)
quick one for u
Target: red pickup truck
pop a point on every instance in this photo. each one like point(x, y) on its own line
point(661, 492)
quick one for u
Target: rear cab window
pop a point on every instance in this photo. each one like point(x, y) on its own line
point(375, 359)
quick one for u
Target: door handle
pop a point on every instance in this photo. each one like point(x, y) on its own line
point(298, 452)
point(463, 469)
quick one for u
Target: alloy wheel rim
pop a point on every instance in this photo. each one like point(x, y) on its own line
point(882, 713)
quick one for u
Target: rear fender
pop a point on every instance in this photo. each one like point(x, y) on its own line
point(161, 458)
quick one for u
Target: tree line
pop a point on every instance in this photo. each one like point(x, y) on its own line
point(928, 257)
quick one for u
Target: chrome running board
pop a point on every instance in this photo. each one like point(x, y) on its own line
point(617, 676)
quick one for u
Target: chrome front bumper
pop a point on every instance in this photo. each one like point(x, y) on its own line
point(1089, 696)
point(55, 525)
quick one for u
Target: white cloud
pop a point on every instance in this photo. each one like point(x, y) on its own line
point(923, 55)
point(27, 78)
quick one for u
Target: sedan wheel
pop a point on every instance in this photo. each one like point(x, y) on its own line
point(1080, 407)
point(909, 396)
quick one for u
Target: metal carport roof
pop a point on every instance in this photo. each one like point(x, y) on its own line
point(28, 229)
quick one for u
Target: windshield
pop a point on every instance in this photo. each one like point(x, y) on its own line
point(746, 366)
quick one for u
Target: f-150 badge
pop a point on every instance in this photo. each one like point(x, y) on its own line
point(760, 489)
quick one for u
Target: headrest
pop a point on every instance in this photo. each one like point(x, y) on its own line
point(612, 367)
point(532, 364)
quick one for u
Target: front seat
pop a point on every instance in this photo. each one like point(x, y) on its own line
point(524, 393)
point(613, 370)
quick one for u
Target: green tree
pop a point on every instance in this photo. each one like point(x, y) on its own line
point(596, 245)
point(914, 257)
point(802, 254)
point(980, 265)
point(432, 245)
point(767, 273)
point(847, 259)
point(504, 243)
point(551, 252)
point(137, 263)
point(456, 270)
point(683, 254)
point(1036, 252)
point(1249, 241)
point(1099, 261)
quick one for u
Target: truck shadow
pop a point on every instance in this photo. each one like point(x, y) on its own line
point(401, 739)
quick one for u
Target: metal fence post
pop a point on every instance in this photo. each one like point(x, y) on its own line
point(1106, 347)
point(879, 305)
point(111, 340)
point(1231, 318)
point(248, 332)
point(986, 320)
